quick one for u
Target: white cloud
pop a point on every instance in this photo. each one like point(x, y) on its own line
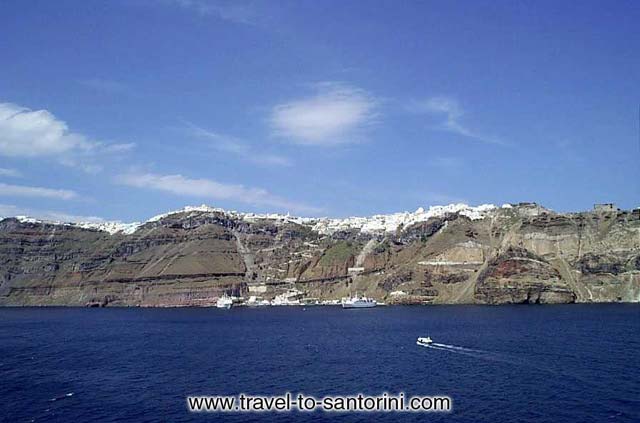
point(206, 188)
point(452, 111)
point(13, 173)
point(28, 133)
point(26, 191)
point(335, 115)
point(9, 210)
point(232, 11)
point(117, 148)
point(38, 133)
point(239, 148)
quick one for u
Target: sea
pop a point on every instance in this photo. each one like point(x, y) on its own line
point(546, 363)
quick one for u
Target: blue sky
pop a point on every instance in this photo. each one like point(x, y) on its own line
point(125, 109)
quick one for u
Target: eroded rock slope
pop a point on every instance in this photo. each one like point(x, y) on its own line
point(515, 254)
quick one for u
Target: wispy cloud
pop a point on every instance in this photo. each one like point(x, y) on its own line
point(27, 191)
point(207, 188)
point(446, 162)
point(237, 147)
point(336, 114)
point(38, 133)
point(10, 210)
point(105, 85)
point(117, 148)
point(13, 173)
point(450, 109)
point(230, 10)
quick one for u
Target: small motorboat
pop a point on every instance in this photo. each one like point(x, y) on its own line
point(425, 342)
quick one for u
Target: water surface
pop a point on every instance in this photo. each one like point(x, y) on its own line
point(508, 363)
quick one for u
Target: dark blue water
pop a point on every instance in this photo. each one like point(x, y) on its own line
point(576, 363)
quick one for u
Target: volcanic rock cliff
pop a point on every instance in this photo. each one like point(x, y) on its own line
point(514, 254)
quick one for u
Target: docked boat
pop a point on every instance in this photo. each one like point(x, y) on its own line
point(290, 298)
point(257, 302)
point(358, 302)
point(224, 302)
point(425, 342)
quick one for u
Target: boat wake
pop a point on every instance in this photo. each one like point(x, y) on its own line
point(471, 352)
point(488, 355)
point(70, 394)
point(454, 347)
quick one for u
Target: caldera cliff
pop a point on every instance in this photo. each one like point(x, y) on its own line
point(449, 255)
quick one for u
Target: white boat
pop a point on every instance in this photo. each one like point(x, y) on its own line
point(280, 301)
point(358, 302)
point(425, 342)
point(224, 302)
point(289, 298)
point(257, 302)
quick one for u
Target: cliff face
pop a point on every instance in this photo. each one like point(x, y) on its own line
point(523, 254)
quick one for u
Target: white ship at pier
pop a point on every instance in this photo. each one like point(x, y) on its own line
point(358, 301)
